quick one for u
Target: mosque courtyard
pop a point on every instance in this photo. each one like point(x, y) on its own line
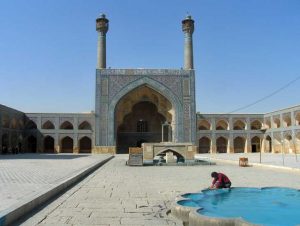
point(117, 194)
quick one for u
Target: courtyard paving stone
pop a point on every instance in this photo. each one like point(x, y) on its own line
point(28, 175)
point(117, 194)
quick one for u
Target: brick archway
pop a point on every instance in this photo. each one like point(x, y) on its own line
point(178, 131)
point(139, 115)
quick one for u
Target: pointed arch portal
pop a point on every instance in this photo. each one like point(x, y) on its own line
point(85, 145)
point(221, 143)
point(67, 145)
point(139, 116)
point(204, 145)
point(49, 144)
point(255, 144)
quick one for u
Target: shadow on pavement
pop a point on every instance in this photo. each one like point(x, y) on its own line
point(43, 156)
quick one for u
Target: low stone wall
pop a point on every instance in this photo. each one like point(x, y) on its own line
point(104, 150)
point(135, 150)
point(190, 217)
point(150, 150)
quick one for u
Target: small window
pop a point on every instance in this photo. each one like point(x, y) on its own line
point(142, 126)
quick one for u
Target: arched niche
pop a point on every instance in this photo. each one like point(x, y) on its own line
point(66, 125)
point(221, 144)
point(288, 144)
point(267, 123)
point(67, 145)
point(287, 120)
point(178, 133)
point(48, 125)
point(222, 125)
point(85, 145)
point(239, 144)
point(85, 125)
point(179, 157)
point(276, 122)
point(139, 115)
point(5, 121)
point(256, 125)
point(204, 125)
point(14, 123)
point(239, 125)
point(255, 144)
point(204, 145)
point(49, 144)
point(268, 144)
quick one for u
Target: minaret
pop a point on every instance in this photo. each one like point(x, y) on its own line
point(102, 28)
point(188, 29)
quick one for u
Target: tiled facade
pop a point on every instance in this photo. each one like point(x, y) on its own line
point(178, 86)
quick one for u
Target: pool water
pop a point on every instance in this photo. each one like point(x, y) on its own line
point(265, 206)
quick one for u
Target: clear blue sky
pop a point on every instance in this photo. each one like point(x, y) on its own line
point(243, 50)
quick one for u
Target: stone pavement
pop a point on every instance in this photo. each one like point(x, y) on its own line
point(285, 161)
point(25, 175)
point(117, 194)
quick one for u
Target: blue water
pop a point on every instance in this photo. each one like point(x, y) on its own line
point(266, 206)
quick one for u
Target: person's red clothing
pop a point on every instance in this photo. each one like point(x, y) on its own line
point(222, 181)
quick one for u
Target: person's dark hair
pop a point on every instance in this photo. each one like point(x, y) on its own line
point(214, 174)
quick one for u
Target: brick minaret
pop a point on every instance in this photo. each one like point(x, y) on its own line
point(102, 28)
point(188, 29)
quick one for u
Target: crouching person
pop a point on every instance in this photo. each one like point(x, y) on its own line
point(220, 181)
